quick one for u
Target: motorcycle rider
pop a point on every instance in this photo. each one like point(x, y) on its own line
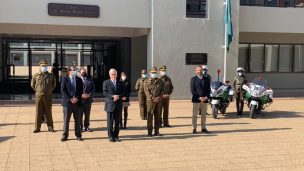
point(238, 83)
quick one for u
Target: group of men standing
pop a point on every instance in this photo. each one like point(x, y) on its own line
point(154, 93)
point(154, 96)
point(77, 92)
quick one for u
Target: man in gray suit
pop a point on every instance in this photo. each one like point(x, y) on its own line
point(87, 99)
point(113, 90)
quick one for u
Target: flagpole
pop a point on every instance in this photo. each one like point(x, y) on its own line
point(225, 48)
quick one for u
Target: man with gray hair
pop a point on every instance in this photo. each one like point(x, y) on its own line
point(113, 91)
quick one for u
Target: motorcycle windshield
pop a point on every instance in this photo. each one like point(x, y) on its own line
point(260, 82)
point(216, 85)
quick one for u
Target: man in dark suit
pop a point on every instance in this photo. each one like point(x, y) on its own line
point(113, 91)
point(71, 90)
point(87, 99)
point(200, 89)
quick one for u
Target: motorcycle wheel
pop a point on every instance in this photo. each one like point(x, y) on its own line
point(223, 110)
point(252, 111)
point(214, 111)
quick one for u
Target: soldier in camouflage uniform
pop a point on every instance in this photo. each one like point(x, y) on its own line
point(168, 90)
point(238, 83)
point(43, 83)
point(154, 90)
point(139, 87)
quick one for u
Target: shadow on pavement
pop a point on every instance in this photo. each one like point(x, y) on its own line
point(264, 115)
point(2, 139)
point(248, 130)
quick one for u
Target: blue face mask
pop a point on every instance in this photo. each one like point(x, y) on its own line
point(144, 75)
point(153, 75)
point(44, 69)
point(74, 74)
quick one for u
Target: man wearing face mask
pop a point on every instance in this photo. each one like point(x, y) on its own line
point(139, 87)
point(200, 89)
point(238, 83)
point(43, 83)
point(154, 89)
point(168, 89)
point(71, 91)
point(87, 99)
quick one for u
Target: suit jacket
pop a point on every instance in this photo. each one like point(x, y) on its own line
point(126, 90)
point(108, 91)
point(67, 93)
point(200, 88)
point(88, 88)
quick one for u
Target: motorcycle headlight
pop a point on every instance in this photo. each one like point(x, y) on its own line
point(220, 91)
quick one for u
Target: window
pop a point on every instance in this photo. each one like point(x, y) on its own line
point(17, 59)
point(271, 58)
point(274, 3)
point(256, 57)
point(285, 58)
point(196, 9)
point(299, 58)
point(243, 56)
point(69, 58)
point(37, 57)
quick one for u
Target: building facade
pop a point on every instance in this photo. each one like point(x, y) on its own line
point(133, 34)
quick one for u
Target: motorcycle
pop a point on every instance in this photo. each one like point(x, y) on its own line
point(257, 96)
point(221, 95)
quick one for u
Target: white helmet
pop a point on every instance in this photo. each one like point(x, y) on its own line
point(240, 69)
point(205, 67)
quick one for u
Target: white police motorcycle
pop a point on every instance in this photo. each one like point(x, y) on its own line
point(258, 96)
point(221, 95)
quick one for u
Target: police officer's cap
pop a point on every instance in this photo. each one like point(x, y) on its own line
point(163, 68)
point(43, 63)
point(153, 70)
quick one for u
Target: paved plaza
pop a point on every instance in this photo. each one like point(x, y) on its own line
point(273, 141)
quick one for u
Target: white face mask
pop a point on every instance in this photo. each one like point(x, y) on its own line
point(163, 73)
point(240, 74)
point(44, 69)
point(144, 75)
point(123, 78)
point(153, 75)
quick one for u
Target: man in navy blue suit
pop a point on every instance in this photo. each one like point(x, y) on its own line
point(71, 90)
point(113, 91)
point(200, 89)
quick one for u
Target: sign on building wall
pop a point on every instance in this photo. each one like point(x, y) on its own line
point(73, 10)
point(196, 58)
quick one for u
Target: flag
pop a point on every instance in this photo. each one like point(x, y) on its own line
point(228, 24)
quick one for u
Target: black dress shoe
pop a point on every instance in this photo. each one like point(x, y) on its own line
point(157, 134)
point(111, 139)
point(36, 131)
point(88, 129)
point(205, 131)
point(194, 131)
point(117, 140)
point(79, 139)
point(51, 129)
point(167, 125)
point(149, 135)
point(64, 139)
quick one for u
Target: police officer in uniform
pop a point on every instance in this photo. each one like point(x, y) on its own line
point(43, 83)
point(154, 91)
point(238, 83)
point(168, 89)
point(139, 87)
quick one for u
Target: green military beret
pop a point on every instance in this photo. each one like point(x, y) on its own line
point(43, 62)
point(163, 68)
point(153, 70)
